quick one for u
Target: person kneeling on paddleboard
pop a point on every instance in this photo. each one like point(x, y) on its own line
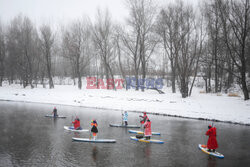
point(77, 124)
point(55, 112)
point(148, 132)
point(125, 117)
point(212, 142)
point(94, 129)
point(144, 118)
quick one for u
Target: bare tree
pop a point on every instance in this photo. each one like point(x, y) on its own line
point(104, 44)
point(235, 16)
point(141, 40)
point(2, 53)
point(47, 41)
point(120, 51)
point(198, 48)
point(131, 42)
point(214, 28)
point(76, 46)
point(185, 44)
point(206, 63)
point(166, 30)
point(22, 49)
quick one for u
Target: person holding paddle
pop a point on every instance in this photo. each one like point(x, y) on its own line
point(94, 129)
point(125, 118)
point(144, 118)
point(212, 142)
point(54, 112)
point(76, 124)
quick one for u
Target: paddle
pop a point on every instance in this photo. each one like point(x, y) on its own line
point(72, 119)
point(90, 135)
point(140, 122)
point(122, 118)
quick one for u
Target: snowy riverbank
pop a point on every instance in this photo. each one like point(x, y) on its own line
point(199, 105)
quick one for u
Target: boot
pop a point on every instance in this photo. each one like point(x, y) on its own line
point(213, 150)
point(209, 150)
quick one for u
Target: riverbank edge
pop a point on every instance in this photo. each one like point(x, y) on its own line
point(134, 111)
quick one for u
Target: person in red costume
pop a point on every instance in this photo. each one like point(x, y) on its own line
point(147, 132)
point(76, 124)
point(144, 118)
point(212, 142)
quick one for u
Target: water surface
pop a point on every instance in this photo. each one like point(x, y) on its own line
point(27, 138)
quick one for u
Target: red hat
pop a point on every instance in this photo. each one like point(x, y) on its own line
point(144, 113)
point(210, 126)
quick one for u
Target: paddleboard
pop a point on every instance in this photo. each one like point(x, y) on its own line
point(203, 148)
point(124, 126)
point(52, 116)
point(94, 141)
point(141, 132)
point(71, 128)
point(147, 141)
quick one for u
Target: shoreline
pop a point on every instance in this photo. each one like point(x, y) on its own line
point(134, 111)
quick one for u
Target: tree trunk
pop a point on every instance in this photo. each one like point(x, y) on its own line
point(205, 79)
point(184, 87)
point(51, 84)
point(78, 74)
point(216, 73)
point(142, 85)
point(1, 72)
point(243, 80)
point(209, 79)
point(173, 77)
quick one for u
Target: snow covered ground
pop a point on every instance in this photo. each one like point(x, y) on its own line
point(199, 105)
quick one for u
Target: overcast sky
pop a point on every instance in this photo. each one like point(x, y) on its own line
point(62, 11)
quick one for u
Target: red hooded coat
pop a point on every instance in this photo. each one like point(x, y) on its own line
point(212, 142)
point(76, 123)
point(147, 127)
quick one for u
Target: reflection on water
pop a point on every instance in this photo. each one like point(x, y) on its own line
point(30, 139)
point(147, 153)
point(94, 153)
point(211, 161)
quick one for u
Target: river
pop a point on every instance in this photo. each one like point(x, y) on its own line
point(27, 138)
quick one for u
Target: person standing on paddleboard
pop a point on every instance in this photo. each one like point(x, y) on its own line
point(212, 142)
point(55, 112)
point(125, 118)
point(94, 129)
point(148, 132)
point(144, 118)
point(77, 124)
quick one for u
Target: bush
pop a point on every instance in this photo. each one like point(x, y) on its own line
point(233, 95)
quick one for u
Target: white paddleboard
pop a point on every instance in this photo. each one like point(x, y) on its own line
point(52, 116)
point(124, 126)
point(204, 149)
point(147, 141)
point(93, 140)
point(71, 128)
point(141, 132)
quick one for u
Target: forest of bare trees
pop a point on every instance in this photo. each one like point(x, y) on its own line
point(210, 40)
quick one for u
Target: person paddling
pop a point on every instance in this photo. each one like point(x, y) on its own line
point(76, 124)
point(144, 118)
point(55, 112)
point(147, 127)
point(94, 129)
point(125, 118)
point(212, 142)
